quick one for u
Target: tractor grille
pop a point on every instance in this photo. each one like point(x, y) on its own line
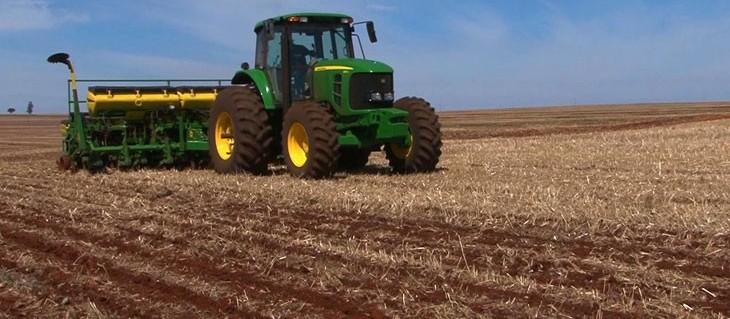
point(363, 85)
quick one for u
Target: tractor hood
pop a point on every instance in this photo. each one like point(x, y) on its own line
point(352, 66)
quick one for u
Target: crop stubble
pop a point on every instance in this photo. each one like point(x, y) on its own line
point(565, 217)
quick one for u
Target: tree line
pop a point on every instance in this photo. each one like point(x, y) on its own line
point(29, 108)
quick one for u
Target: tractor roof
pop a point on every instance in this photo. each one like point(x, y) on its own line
point(314, 16)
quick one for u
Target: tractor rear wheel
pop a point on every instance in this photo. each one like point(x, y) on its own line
point(422, 155)
point(309, 141)
point(352, 159)
point(239, 133)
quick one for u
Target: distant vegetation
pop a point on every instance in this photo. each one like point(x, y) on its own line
point(29, 108)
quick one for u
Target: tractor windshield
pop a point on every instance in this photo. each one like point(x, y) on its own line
point(322, 41)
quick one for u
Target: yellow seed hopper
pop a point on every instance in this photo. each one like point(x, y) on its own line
point(128, 99)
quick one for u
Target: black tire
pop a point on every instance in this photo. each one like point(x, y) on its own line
point(245, 144)
point(425, 149)
point(352, 159)
point(309, 141)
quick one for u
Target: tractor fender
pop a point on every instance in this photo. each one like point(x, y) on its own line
point(261, 81)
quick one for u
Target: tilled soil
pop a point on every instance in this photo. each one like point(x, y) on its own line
point(477, 133)
point(194, 244)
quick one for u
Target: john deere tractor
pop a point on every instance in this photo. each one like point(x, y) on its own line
point(307, 101)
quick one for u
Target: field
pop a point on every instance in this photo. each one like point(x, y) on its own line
point(573, 212)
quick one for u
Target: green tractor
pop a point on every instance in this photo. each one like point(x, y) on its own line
point(308, 100)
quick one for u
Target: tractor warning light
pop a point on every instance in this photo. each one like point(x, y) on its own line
point(298, 19)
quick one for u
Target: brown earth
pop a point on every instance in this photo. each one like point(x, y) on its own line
point(540, 225)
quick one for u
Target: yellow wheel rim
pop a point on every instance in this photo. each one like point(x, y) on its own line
point(402, 152)
point(224, 136)
point(297, 144)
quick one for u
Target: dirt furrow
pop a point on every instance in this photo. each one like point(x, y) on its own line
point(445, 236)
point(133, 282)
point(478, 133)
point(542, 271)
point(571, 271)
point(428, 230)
point(390, 283)
point(59, 282)
point(537, 238)
point(200, 266)
point(329, 303)
point(14, 305)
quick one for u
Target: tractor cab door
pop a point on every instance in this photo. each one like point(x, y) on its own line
point(269, 58)
point(284, 57)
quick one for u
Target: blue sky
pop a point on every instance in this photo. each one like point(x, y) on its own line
point(457, 54)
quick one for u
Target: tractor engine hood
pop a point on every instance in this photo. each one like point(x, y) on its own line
point(352, 85)
point(352, 66)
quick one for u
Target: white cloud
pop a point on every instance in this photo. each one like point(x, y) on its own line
point(20, 15)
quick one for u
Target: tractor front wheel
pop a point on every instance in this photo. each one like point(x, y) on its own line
point(424, 150)
point(239, 133)
point(309, 141)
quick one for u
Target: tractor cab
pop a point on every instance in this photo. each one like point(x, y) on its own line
point(290, 48)
point(288, 51)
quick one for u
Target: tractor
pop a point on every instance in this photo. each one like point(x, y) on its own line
point(307, 101)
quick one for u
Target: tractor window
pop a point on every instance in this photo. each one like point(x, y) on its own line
point(327, 42)
point(273, 64)
point(273, 57)
point(336, 45)
point(331, 49)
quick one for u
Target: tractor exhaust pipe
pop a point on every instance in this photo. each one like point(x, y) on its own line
point(63, 58)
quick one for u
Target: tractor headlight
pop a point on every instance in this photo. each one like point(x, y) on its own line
point(376, 97)
point(380, 97)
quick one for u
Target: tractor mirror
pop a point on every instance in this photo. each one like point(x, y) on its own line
point(371, 31)
point(59, 58)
